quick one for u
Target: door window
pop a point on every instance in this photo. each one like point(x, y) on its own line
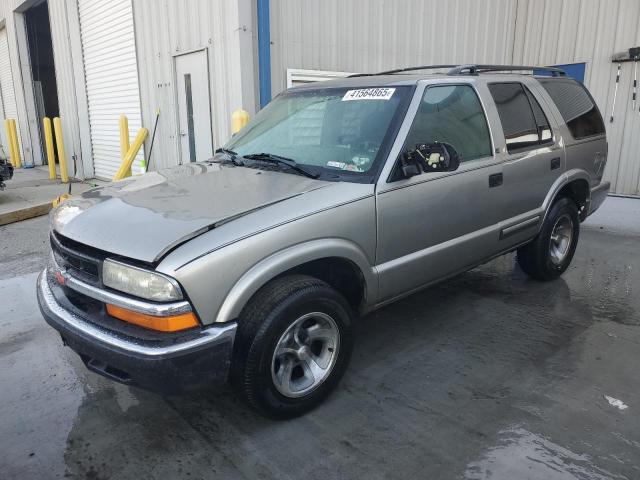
point(524, 123)
point(451, 114)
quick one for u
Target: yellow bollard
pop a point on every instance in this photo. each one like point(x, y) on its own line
point(12, 155)
point(12, 138)
point(48, 140)
point(131, 154)
point(124, 139)
point(239, 119)
point(16, 146)
point(62, 155)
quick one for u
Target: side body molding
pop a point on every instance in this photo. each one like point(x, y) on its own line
point(291, 257)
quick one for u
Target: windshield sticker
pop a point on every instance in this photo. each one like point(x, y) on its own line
point(369, 94)
point(336, 164)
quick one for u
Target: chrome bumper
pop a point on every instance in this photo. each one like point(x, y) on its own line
point(171, 363)
point(50, 306)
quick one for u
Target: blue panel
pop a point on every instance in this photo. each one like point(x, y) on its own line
point(573, 70)
point(264, 52)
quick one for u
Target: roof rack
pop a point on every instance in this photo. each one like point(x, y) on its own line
point(473, 69)
point(468, 69)
point(400, 70)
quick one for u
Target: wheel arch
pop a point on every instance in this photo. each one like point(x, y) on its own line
point(336, 261)
point(574, 184)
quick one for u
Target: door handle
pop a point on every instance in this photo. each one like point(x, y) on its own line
point(495, 180)
point(555, 163)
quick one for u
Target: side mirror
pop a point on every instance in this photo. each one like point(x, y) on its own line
point(432, 157)
point(410, 169)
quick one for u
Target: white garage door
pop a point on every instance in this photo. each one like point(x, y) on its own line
point(9, 108)
point(108, 46)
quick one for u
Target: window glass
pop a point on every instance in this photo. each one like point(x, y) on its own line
point(544, 130)
point(334, 130)
point(575, 105)
point(517, 118)
point(451, 114)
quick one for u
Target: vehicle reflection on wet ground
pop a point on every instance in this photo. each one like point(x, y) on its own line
point(489, 375)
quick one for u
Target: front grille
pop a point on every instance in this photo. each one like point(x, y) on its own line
point(80, 261)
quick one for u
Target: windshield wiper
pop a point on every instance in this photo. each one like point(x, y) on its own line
point(292, 164)
point(232, 156)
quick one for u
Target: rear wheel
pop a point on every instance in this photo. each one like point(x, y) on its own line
point(548, 255)
point(294, 343)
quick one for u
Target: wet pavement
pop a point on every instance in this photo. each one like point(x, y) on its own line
point(489, 375)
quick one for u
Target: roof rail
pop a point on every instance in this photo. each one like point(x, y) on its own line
point(468, 69)
point(408, 69)
point(473, 69)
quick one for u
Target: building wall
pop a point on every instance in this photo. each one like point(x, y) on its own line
point(374, 35)
point(165, 28)
point(69, 79)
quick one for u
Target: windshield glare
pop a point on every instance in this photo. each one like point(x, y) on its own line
point(337, 130)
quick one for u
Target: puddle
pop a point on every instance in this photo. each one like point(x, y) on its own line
point(523, 454)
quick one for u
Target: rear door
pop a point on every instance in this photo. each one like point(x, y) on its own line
point(534, 158)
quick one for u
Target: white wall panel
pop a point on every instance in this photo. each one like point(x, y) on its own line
point(9, 106)
point(374, 35)
point(165, 28)
point(567, 31)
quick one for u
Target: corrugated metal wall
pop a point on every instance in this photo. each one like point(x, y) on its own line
point(70, 82)
point(68, 78)
point(169, 27)
point(567, 31)
point(373, 35)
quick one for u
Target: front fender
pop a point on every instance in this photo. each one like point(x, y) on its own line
point(287, 259)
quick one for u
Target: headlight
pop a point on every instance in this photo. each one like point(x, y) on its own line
point(139, 282)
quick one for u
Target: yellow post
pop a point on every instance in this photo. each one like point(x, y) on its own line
point(239, 119)
point(14, 149)
point(48, 140)
point(131, 154)
point(12, 155)
point(124, 139)
point(62, 155)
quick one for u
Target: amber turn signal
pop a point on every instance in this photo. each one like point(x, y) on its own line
point(173, 323)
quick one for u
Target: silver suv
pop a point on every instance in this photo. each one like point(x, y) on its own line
point(338, 198)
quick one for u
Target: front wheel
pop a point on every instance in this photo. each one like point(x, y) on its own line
point(293, 345)
point(548, 255)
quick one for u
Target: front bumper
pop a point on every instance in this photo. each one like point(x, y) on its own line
point(194, 361)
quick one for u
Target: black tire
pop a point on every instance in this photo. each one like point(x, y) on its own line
point(535, 258)
point(261, 325)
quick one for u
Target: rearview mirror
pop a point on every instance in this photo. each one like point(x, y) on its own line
point(429, 157)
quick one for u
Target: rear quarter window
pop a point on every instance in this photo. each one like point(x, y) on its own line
point(576, 106)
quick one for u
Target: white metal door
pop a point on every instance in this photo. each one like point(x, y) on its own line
point(111, 71)
point(10, 109)
point(194, 111)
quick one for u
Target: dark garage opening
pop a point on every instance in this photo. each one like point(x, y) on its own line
point(42, 66)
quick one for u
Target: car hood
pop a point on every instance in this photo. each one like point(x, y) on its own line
point(145, 217)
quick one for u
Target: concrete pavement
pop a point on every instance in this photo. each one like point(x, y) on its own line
point(30, 193)
point(489, 375)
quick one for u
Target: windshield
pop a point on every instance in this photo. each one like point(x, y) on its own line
point(339, 132)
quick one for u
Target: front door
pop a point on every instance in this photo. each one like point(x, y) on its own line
point(438, 223)
point(194, 107)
